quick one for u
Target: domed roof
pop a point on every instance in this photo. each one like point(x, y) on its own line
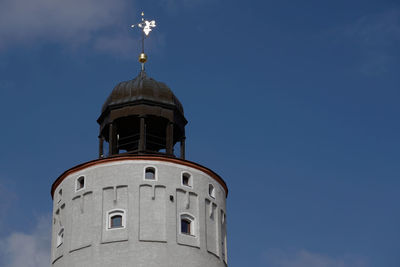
point(142, 88)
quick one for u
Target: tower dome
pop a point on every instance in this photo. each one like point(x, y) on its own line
point(142, 88)
point(142, 116)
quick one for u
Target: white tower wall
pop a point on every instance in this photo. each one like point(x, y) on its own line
point(151, 212)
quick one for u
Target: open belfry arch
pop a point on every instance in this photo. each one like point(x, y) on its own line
point(141, 203)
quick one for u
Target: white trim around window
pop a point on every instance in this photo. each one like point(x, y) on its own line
point(192, 227)
point(115, 213)
point(59, 195)
point(189, 178)
point(60, 237)
point(150, 167)
point(211, 190)
point(80, 183)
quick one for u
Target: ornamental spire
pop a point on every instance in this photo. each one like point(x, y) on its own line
point(146, 27)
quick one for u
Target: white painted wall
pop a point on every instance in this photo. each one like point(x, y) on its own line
point(151, 236)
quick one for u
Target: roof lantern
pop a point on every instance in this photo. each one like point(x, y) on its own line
point(142, 116)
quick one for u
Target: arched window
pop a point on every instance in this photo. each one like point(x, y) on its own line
point(150, 173)
point(187, 224)
point(80, 183)
point(186, 179)
point(60, 237)
point(211, 190)
point(116, 219)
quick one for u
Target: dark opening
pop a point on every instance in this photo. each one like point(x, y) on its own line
point(116, 221)
point(211, 191)
point(185, 226)
point(150, 174)
point(60, 237)
point(186, 179)
point(80, 183)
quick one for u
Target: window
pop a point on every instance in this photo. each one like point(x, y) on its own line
point(186, 179)
point(150, 173)
point(213, 207)
point(187, 224)
point(211, 190)
point(80, 183)
point(59, 195)
point(60, 237)
point(223, 236)
point(116, 219)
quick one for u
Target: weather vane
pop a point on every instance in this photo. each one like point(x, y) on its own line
point(146, 27)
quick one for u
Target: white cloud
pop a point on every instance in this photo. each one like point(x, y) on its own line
point(303, 258)
point(70, 22)
point(27, 249)
point(101, 24)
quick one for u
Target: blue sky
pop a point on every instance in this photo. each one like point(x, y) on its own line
point(293, 103)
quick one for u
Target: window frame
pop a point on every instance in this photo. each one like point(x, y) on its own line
point(155, 173)
point(211, 192)
point(111, 214)
point(190, 181)
point(192, 225)
point(224, 237)
point(60, 237)
point(77, 182)
point(60, 192)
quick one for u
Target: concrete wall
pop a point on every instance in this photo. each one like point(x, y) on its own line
point(153, 210)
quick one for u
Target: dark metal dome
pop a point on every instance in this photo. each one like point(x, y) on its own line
point(142, 89)
point(142, 116)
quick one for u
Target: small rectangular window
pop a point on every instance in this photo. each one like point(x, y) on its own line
point(60, 237)
point(59, 195)
point(211, 190)
point(116, 219)
point(186, 179)
point(150, 173)
point(80, 183)
point(185, 226)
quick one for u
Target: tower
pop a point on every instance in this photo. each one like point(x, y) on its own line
point(139, 204)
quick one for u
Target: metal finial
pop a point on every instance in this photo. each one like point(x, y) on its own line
point(146, 27)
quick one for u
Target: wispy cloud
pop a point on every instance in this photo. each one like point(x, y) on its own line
point(381, 29)
point(101, 24)
point(304, 258)
point(69, 22)
point(27, 249)
point(378, 37)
